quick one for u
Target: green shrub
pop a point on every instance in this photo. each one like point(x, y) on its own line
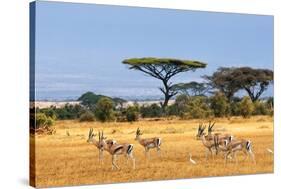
point(153, 110)
point(104, 110)
point(235, 109)
point(198, 108)
point(132, 113)
point(219, 104)
point(261, 108)
point(43, 121)
point(181, 105)
point(246, 107)
point(87, 116)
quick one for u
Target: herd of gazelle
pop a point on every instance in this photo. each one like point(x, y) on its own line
point(213, 142)
point(226, 143)
point(125, 149)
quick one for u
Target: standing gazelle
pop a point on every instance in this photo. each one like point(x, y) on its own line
point(116, 149)
point(208, 140)
point(148, 143)
point(221, 136)
point(208, 144)
point(92, 140)
point(231, 148)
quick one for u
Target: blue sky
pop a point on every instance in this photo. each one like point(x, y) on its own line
point(80, 47)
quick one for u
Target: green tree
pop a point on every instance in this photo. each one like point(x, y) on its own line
point(246, 107)
point(224, 81)
point(104, 110)
point(197, 107)
point(253, 81)
point(153, 110)
point(87, 116)
point(132, 113)
point(43, 121)
point(220, 105)
point(163, 69)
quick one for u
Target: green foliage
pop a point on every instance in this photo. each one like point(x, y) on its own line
point(180, 108)
point(197, 108)
point(219, 104)
point(104, 110)
point(235, 108)
point(42, 120)
point(246, 107)
point(153, 110)
point(67, 112)
point(261, 108)
point(163, 61)
point(132, 113)
point(86, 116)
point(190, 107)
point(90, 99)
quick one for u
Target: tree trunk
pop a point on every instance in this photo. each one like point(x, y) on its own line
point(166, 91)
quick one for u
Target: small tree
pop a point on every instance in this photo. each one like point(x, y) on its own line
point(260, 108)
point(87, 116)
point(43, 121)
point(153, 110)
point(163, 69)
point(132, 113)
point(104, 110)
point(197, 108)
point(246, 107)
point(181, 105)
point(219, 104)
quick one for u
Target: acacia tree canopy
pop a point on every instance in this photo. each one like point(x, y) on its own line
point(163, 69)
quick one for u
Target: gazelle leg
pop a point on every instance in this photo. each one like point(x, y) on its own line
point(133, 160)
point(147, 153)
point(206, 154)
point(159, 151)
point(225, 157)
point(252, 155)
point(113, 162)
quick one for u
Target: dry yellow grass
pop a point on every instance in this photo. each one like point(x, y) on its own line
point(68, 160)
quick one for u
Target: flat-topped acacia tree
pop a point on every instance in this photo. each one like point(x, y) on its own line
point(163, 69)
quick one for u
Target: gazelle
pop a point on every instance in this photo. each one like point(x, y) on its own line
point(92, 140)
point(235, 146)
point(148, 143)
point(208, 144)
point(116, 149)
point(221, 136)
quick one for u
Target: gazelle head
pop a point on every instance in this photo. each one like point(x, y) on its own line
point(210, 127)
point(91, 136)
point(138, 133)
point(200, 131)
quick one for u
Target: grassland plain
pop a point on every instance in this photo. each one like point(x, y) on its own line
point(67, 159)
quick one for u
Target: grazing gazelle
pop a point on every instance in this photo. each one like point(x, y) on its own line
point(92, 140)
point(116, 149)
point(235, 146)
point(148, 143)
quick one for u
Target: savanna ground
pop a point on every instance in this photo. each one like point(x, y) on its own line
point(67, 159)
